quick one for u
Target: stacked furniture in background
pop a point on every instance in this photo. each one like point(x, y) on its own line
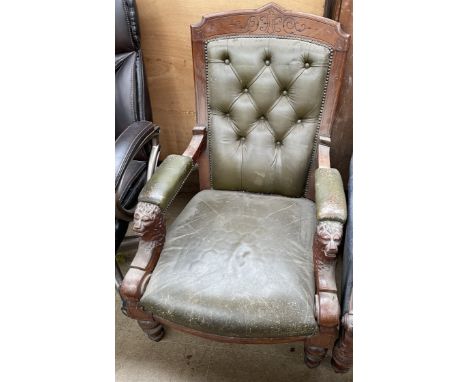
point(136, 138)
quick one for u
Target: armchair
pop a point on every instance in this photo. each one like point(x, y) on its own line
point(136, 144)
point(251, 258)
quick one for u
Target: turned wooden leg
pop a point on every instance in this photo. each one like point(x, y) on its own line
point(342, 359)
point(313, 355)
point(153, 329)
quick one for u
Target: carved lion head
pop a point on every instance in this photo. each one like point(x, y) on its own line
point(144, 219)
point(329, 233)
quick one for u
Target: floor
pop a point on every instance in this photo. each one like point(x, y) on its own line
point(182, 357)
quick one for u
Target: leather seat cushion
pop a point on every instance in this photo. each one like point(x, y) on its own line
point(238, 264)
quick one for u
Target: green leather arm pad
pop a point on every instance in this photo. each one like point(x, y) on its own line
point(166, 181)
point(330, 198)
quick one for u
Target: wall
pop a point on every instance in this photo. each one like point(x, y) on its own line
point(165, 35)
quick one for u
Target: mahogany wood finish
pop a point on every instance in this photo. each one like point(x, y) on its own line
point(313, 355)
point(198, 143)
point(153, 329)
point(149, 224)
point(315, 348)
point(226, 339)
point(269, 20)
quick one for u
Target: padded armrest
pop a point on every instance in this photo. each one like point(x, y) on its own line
point(330, 197)
point(166, 182)
point(129, 143)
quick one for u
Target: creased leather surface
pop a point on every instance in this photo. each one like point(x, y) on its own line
point(329, 195)
point(238, 264)
point(166, 181)
point(265, 97)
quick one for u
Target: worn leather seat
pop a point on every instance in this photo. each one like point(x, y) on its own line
point(238, 264)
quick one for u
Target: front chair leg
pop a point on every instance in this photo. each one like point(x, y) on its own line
point(149, 224)
point(313, 355)
point(153, 329)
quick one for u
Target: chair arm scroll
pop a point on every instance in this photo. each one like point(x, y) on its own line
point(330, 202)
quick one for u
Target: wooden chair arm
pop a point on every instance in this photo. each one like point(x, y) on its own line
point(326, 241)
point(150, 225)
point(197, 143)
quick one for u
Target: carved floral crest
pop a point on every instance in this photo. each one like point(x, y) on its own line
point(273, 21)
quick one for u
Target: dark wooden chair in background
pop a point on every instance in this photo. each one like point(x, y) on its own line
point(251, 258)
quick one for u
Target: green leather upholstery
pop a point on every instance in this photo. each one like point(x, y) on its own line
point(166, 181)
point(329, 195)
point(264, 101)
point(238, 264)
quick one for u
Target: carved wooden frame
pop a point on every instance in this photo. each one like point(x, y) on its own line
point(274, 21)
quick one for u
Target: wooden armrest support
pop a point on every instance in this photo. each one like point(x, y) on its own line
point(197, 143)
point(149, 224)
point(326, 241)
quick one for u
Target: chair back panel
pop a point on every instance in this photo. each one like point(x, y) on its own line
point(243, 62)
point(265, 97)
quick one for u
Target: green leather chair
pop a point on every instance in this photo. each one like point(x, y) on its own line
point(251, 258)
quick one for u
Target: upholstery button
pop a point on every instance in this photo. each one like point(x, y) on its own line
point(226, 61)
point(267, 62)
point(307, 65)
point(299, 121)
point(242, 139)
point(262, 117)
point(246, 90)
point(278, 143)
point(227, 115)
point(285, 92)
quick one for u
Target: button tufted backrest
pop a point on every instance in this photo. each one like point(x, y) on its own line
point(265, 100)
